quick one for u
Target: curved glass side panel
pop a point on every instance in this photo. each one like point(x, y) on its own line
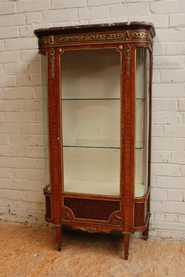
point(45, 121)
point(141, 120)
point(90, 86)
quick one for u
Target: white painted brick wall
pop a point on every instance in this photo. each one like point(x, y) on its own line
point(21, 163)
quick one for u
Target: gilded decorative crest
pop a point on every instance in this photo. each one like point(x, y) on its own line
point(52, 60)
point(142, 36)
point(89, 38)
point(127, 35)
point(118, 221)
point(128, 57)
point(52, 40)
point(44, 41)
point(65, 216)
point(91, 230)
point(85, 38)
point(75, 39)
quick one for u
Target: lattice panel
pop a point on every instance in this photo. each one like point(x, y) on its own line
point(91, 209)
point(48, 206)
point(140, 214)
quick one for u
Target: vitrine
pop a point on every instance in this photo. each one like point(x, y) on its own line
point(97, 127)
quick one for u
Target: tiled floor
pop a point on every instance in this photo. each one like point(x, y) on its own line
point(31, 252)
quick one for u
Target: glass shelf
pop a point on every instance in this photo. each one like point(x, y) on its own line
point(91, 99)
point(92, 146)
point(140, 98)
point(91, 143)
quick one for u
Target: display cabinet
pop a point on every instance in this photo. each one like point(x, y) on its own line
point(97, 127)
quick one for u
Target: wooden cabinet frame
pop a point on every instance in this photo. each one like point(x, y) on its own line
point(92, 212)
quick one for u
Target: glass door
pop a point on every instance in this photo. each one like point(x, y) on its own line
point(142, 120)
point(90, 105)
point(45, 121)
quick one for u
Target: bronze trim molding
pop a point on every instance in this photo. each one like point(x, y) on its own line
point(52, 60)
point(128, 58)
point(122, 36)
